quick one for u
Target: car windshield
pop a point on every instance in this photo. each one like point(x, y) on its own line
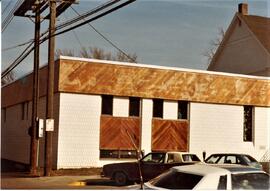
point(154, 158)
point(258, 181)
point(190, 157)
point(176, 180)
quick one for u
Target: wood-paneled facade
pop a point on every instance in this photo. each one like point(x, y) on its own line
point(120, 133)
point(119, 79)
point(169, 135)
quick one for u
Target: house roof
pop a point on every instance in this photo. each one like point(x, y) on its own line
point(260, 26)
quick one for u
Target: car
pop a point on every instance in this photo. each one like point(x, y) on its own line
point(232, 158)
point(210, 177)
point(151, 166)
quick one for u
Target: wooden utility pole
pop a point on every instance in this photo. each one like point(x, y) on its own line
point(50, 90)
point(35, 96)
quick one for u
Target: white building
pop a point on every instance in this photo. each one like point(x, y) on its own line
point(103, 108)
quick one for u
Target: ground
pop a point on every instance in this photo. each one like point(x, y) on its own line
point(16, 176)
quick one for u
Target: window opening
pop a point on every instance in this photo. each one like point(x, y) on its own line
point(158, 108)
point(134, 106)
point(248, 123)
point(107, 105)
point(182, 109)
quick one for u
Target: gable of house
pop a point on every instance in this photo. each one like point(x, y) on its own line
point(245, 47)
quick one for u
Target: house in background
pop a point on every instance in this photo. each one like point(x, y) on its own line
point(245, 48)
point(103, 108)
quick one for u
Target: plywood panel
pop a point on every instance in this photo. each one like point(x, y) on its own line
point(21, 90)
point(169, 135)
point(116, 132)
point(88, 77)
point(124, 80)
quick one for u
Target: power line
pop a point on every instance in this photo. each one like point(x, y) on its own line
point(72, 21)
point(75, 34)
point(105, 38)
point(6, 7)
point(25, 54)
point(16, 46)
point(10, 16)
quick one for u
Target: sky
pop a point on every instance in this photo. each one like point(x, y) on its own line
point(173, 33)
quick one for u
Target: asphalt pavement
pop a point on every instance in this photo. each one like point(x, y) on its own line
point(21, 180)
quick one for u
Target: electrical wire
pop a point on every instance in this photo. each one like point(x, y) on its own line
point(75, 35)
point(71, 21)
point(10, 16)
point(106, 39)
point(25, 54)
point(16, 46)
point(6, 7)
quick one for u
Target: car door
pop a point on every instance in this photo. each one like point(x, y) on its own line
point(152, 165)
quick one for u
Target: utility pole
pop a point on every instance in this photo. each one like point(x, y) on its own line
point(33, 130)
point(50, 90)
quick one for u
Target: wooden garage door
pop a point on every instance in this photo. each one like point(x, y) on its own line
point(170, 135)
point(116, 132)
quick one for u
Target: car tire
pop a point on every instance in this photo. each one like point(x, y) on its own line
point(120, 178)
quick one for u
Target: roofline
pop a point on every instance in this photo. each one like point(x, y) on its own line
point(226, 36)
point(252, 33)
point(161, 67)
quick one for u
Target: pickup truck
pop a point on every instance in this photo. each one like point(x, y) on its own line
point(151, 165)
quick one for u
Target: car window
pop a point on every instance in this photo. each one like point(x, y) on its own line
point(230, 160)
point(176, 180)
point(173, 157)
point(190, 157)
point(258, 181)
point(221, 160)
point(154, 158)
point(222, 184)
point(249, 158)
point(212, 159)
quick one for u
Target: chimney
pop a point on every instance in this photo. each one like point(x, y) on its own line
point(243, 8)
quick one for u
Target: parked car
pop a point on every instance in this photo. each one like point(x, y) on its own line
point(230, 158)
point(151, 166)
point(210, 177)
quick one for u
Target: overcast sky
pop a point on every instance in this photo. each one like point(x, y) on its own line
point(161, 32)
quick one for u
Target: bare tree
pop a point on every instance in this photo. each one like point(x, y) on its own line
point(10, 77)
point(64, 52)
point(98, 53)
point(214, 44)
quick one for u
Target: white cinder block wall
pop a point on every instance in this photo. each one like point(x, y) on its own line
point(79, 121)
point(262, 130)
point(219, 128)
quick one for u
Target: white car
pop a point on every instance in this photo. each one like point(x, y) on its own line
point(210, 177)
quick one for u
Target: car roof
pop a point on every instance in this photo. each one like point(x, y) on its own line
point(181, 152)
point(237, 154)
point(201, 169)
point(237, 168)
point(205, 169)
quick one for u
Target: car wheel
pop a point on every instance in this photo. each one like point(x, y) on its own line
point(120, 178)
